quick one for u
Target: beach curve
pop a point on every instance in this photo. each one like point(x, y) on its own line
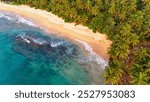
point(46, 20)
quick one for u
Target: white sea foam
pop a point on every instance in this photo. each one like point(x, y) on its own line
point(39, 41)
point(92, 55)
point(6, 17)
point(26, 40)
point(55, 44)
point(25, 21)
point(16, 18)
point(35, 40)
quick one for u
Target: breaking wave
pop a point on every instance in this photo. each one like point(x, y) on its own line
point(55, 44)
point(6, 17)
point(26, 40)
point(25, 21)
point(35, 40)
point(18, 19)
point(92, 55)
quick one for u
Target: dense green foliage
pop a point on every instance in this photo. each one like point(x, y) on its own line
point(127, 25)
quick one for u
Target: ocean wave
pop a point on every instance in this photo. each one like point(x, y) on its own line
point(31, 36)
point(55, 44)
point(39, 41)
point(26, 40)
point(6, 17)
point(25, 21)
point(35, 40)
point(92, 55)
point(17, 18)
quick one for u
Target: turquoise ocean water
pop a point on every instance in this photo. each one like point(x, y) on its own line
point(29, 57)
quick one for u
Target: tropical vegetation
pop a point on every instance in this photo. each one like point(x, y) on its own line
point(125, 22)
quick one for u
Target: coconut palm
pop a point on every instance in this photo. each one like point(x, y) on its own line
point(114, 74)
point(95, 10)
point(134, 39)
point(122, 50)
point(142, 53)
point(140, 78)
point(110, 76)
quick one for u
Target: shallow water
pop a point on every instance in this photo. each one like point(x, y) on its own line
point(30, 57)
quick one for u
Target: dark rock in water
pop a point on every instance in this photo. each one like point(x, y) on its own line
point(33, 45)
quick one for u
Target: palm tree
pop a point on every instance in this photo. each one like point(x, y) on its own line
point(142, 54)
point(140, 78)
point(119, 50)
point(79, 4)
point(110, 76)
point(72, 13)
point(95, 11)
point(88, 5)
point(122, 50)
point(134, 39)
point(113, 74)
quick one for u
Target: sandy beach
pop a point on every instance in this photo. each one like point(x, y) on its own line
point(51, 23)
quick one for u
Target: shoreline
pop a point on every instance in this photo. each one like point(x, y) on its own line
point(51, 23)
